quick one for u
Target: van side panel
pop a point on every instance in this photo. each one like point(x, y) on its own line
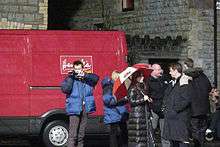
point(14, 77)
point(45, 73)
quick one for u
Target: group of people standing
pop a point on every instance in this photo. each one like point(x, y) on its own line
point(185, 106)
point(180, 106)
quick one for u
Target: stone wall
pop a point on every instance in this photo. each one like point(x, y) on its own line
point(218, 46)
point(132, 22)
point(154, 18)
point(201, 40)
point(23, 14)
point(192, 20)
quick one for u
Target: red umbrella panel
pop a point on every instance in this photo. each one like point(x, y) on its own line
point(123, 82)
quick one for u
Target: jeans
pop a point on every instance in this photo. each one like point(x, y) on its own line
point(77, 128)
point(155, 119)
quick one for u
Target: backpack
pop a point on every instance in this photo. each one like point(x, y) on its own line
point(67, 85)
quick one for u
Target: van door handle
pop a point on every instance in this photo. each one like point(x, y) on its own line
point(44, 87)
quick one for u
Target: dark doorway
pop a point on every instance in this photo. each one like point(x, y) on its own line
point(60, 13)
point(164, 63)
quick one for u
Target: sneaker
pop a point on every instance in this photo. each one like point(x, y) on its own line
point(190, 139)
point(208, 131)
point(209, 136)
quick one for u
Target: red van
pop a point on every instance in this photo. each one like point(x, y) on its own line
point(33, 64)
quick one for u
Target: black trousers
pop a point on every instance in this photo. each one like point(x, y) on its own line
point(118, 136)
point(198, 128)
point(123, 134)
point(77, 127)
point(215, 118)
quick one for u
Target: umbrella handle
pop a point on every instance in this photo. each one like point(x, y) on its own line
point(149, 99)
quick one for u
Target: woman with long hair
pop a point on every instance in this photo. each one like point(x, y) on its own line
point(139, 131)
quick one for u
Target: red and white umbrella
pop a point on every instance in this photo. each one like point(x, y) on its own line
point(121, 84)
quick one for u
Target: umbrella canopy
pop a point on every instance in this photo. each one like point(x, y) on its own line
point(122, 83)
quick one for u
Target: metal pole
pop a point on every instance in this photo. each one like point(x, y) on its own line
point(215, 45)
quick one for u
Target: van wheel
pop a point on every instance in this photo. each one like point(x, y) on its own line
point(55, 134)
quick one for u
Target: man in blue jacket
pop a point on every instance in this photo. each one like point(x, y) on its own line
point(79, 103)
point(115, 115)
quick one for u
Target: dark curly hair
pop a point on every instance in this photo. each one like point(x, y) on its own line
point(78, 62)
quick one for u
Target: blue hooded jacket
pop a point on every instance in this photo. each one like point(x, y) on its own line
point(82, 92)
point(112, 112)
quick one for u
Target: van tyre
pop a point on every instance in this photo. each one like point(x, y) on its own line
point(55, 134)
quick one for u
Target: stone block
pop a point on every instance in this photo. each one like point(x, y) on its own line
point(29, 18)
point(44, 4)
point(43, 1)
point(43, 10)
point(22, 2)
point(4, 15)
point(13, 8)
point(11, 15)
point(33, 2)
point(4, 8)
point(29, 9)
point(3, 1)
point(27, 26)
point(20, 16)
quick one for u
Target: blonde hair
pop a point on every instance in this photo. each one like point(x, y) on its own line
point(115, 75)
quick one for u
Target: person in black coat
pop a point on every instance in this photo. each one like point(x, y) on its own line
point(177, 108)
point(139, 130)
point(200, 106)
point(157, 86)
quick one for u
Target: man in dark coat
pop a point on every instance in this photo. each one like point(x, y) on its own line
point(157, 86)
point(177, 108)
point(200, 105)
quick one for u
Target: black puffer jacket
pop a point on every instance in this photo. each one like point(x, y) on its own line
point(137, 123)
point(200, 95)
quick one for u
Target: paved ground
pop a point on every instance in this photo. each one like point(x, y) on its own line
point(90, 142)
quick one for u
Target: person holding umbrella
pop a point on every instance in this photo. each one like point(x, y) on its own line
point(138, 120)
point(139, 124)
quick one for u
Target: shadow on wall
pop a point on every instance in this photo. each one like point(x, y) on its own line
point(60, 12)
